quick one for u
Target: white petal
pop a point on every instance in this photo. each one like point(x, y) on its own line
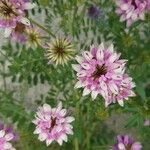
point(87, 55)
point(25, 21)
point(78, 84)
point(124, 6)
point(60, 141)
point(113, 88)
point(132, 93)
point(2, 133)
point(85, 66)
point(37, 131)
point(86, 91)
point(58, 128)
point(70, 119)
point(9, 136)
point(121, 103)
point(81, 74)
point(7, 145)
point(122, 18)
point(111, 48)
point(79, 59)
point(59, 106)
point(99, 54)
point(142, 16)
point(129, 14)
point(7, 32)
point(112, 58)
point(106, 103)
point(94, 94)
point(116, 77)
point(48, 142)
point(46, 107)
point(76, 67)
point(63, 112)
point(64, 137)
point(121, 146)
point(134, 16)
point(42, 136)
point(101, 46)
point(29, 5)
point(103, 85)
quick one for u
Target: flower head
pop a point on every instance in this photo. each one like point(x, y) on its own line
point(6, 136)
point(147, 123)
point(125, 142)
point(131, 10)
point(60, 51)
point(94, 12)
point(148, 5)
point(18, 33)
point(100, 71)
point(52, 124)
point(34, 38)
point(11, 12)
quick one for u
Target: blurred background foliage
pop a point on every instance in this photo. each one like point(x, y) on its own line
point(96, 126)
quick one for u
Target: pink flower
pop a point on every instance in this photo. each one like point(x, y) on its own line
point(5, 139)
point(18, 33)
point(148, 5)
point(52, 124)
point(131, 10)
point(125, 142)
point(100, 71)
point(147, 123)
point(11, 12)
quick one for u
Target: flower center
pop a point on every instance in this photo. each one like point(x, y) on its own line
point(53, 123)
point(128, 147)
point(20, 28)
point(134, 4)
point(59, 50)
point(6, 9)
point(100, 70)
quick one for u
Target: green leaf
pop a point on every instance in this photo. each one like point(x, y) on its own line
point(44, 2)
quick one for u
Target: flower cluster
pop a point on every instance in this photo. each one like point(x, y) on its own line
point(100, 71)
point(131, 10)
point(53, 124)
point(6, 136)
point(12, 12)
point(125, 142)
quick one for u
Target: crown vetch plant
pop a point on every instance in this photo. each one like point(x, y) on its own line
point(64, 68)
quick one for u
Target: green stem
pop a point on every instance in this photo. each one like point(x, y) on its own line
point(5, 56)
point(43, 28)
point(76, 144)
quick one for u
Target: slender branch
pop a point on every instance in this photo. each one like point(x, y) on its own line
point(43, 28)
point(5, 56)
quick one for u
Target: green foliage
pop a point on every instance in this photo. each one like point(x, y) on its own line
point(28, 68)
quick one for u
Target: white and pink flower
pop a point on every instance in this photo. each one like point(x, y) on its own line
point(12, 12)
point(5, 139)
point(131, 10)
point(100, 71)
point(53, 124)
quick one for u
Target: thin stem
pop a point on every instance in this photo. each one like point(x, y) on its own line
point(5, 56)
point(43, 28)
point(4, 79)
point(76, 144)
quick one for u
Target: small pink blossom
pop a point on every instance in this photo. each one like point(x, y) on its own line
point(53, 124)
point(5, 139)
point(125, 142)
point(11, 12)
point(131, 10)
point(147, 123)
point(100, 71)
